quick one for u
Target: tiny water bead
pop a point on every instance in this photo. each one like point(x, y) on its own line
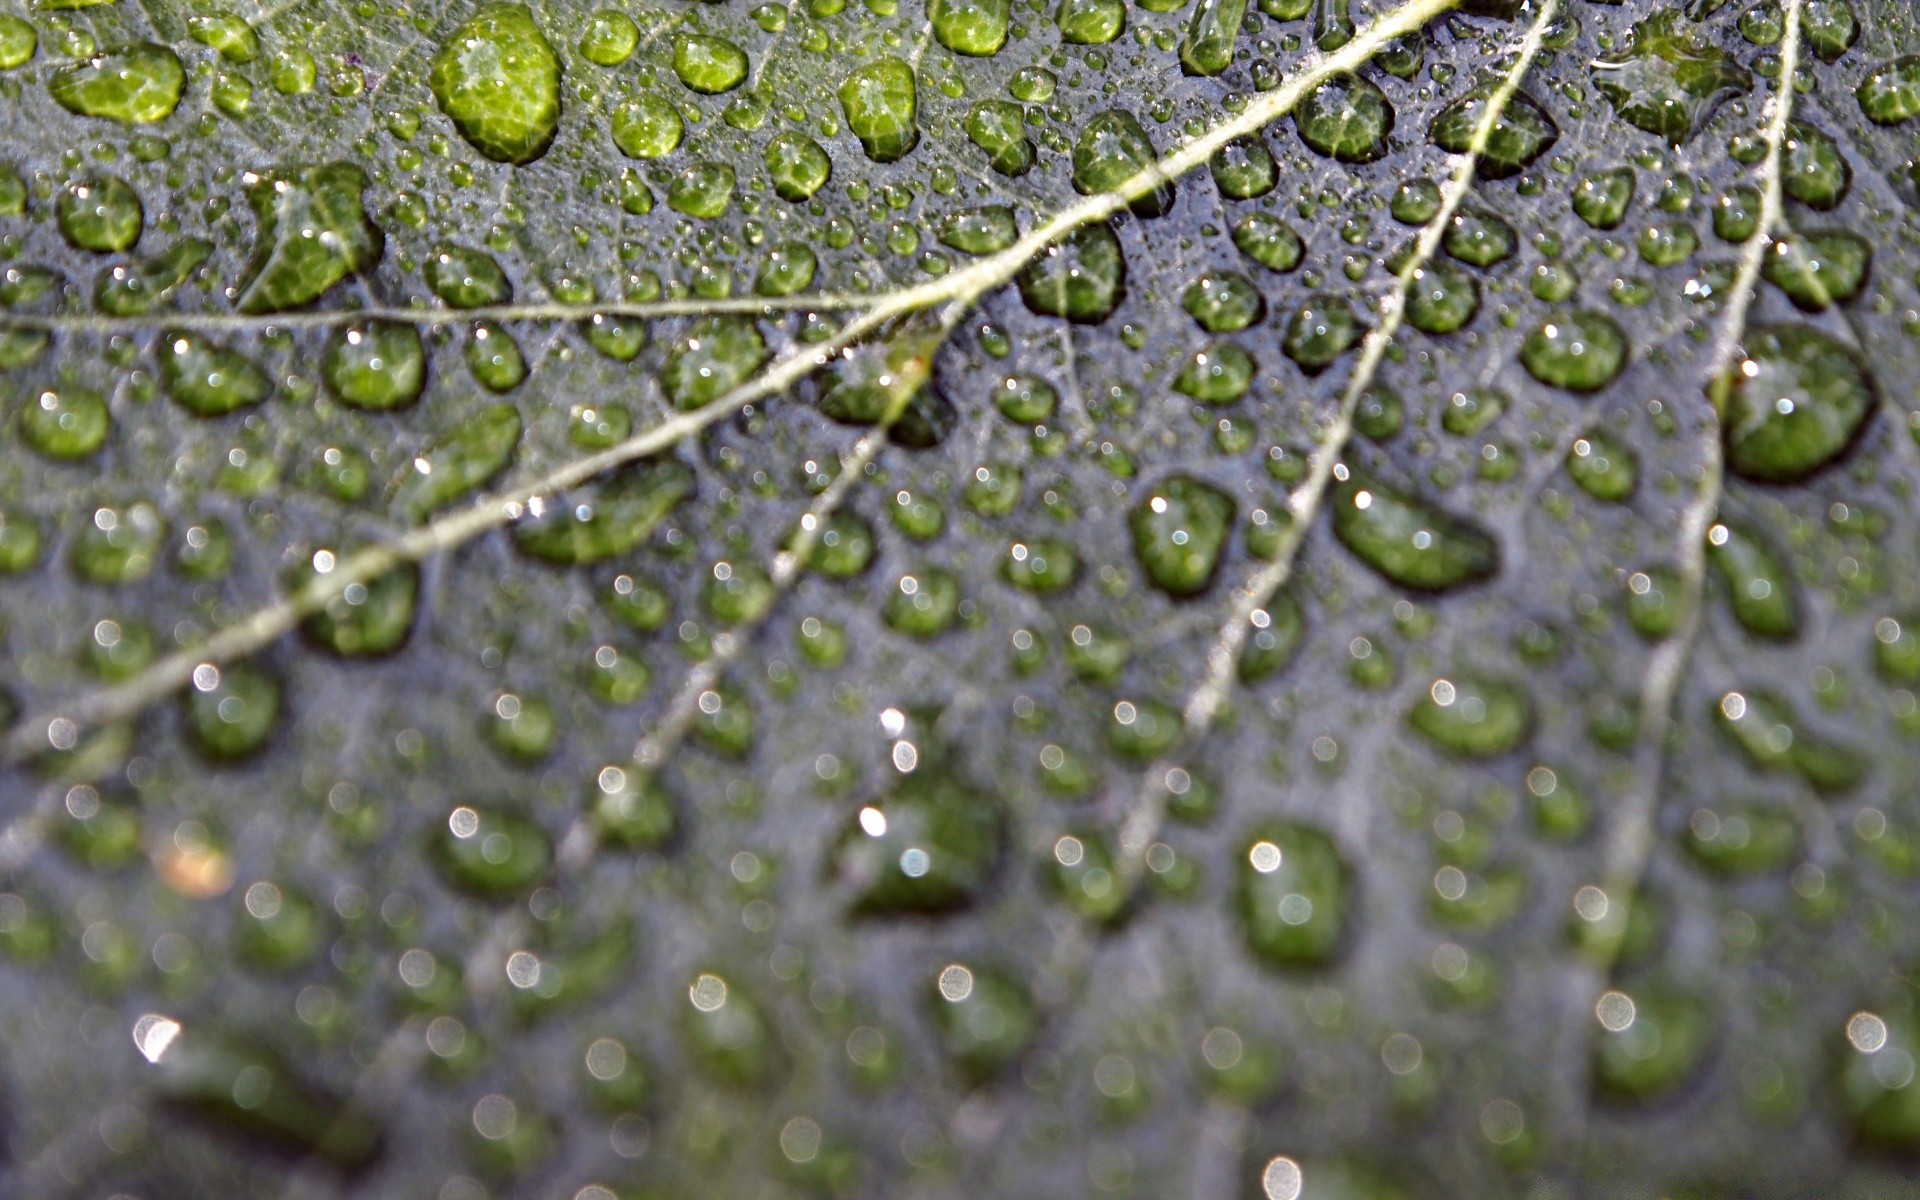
point(1601, 198)
point(1243, 169)
point(975, 28)
point(1793, 403)
point(1521, 133)
point(1668, 80)
point(1111, 152)
point(1603, 466)
point(497, 79)
point(1581, 351)
point(138, 84)
point(1473, 717)
point(1890, 94)
point(881, 105)
point(1179, 531)
point(1293, 894)
point(647, 127)
point(1269, 241)
point(710, 66)
point(1081, 277)
point(1410, 542)
point(466, 278)
point(1819, 268)
point(1347, 118)
point(66, 425)
point(797, 166)
point(609, 39)
point(103, 215)
point(1223, 302)
point(206, 379)
point(378, 365)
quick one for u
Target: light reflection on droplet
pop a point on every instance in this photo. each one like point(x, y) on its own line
point(956, 983)
point(1867, 1032)
point(708, 993)
point(1615, 1011)
point(153, 1034)
point(1282, 1179)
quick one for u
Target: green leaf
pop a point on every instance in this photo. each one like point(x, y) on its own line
point(1304, 599)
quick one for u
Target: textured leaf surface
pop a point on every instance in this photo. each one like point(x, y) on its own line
point(967, 598)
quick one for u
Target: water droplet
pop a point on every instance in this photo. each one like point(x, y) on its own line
point(134, 85)
point(498, 80)
point(1792, 404)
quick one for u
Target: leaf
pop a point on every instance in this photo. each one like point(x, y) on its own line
point(865, 600)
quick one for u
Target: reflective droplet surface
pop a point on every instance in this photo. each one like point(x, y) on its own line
point(1669, 81)
point(881, 104)
point(1473, 717)
point(1581, 351)
point(647, 127)
point(134, 85)
point(1179, 530)
point(1293, 894)
point(1347, 118)
point(498, 80)
point(1080, 278)
point(1792, 404)
point(1407, 540)
point(102, 214)
point(1522, 132)
point(378, 365)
